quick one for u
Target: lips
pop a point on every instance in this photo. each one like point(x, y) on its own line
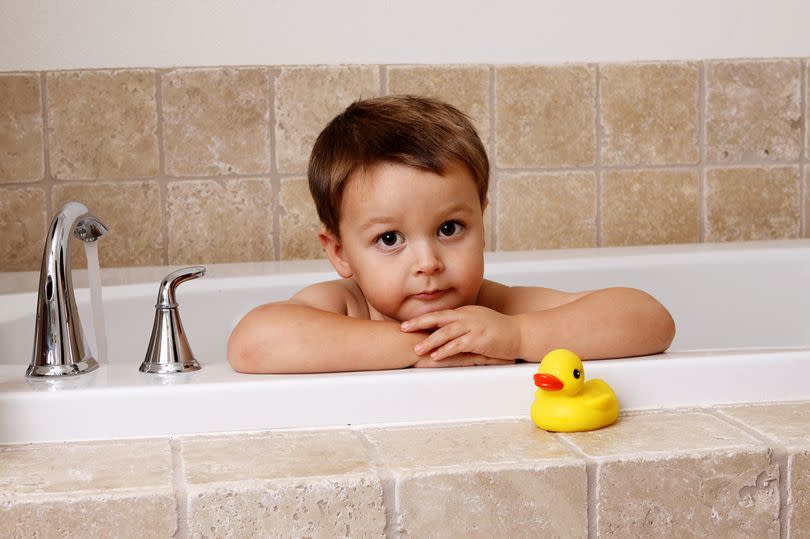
point(431, 295)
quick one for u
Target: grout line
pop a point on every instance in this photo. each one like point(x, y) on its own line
point(388, 483)
point(702, 116)
point(47, 178)
point(162, 179)
point(802, 151)
point(179, 487)
point(591, 484)
point(494, 176)
point(383, 80)
point(275, 177)
point(598, 157)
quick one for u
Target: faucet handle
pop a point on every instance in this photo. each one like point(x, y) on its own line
point(169, 351)
point(169, 284)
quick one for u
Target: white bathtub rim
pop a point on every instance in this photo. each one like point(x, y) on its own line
point(141, 407)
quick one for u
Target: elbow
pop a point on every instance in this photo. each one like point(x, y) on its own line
point(666, 331)
point(662, 330)
point(241, 352)
point(250, 344)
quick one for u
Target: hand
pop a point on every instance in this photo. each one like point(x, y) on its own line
point(470, 329)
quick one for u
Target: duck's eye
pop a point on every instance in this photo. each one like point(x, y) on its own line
point(577, 373)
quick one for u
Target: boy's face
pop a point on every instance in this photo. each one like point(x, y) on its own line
point(411, 239)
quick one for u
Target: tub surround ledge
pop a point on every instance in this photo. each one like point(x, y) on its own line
point(705, 471)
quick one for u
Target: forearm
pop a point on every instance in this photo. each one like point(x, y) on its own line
point(609, 323)
point(291, 338)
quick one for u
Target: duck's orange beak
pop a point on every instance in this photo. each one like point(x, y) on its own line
point(549, 382)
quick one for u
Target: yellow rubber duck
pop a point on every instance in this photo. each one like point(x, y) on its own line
point(564, 402)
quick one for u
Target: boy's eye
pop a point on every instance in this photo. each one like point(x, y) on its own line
point(450, 228)
point(388, 239)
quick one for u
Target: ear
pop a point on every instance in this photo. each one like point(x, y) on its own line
point(484, 204)
point(334, 251)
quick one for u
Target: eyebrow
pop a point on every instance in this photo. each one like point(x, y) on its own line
point(384, 219)
point(375, 221)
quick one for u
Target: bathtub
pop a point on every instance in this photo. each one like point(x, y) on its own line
point(743, 336)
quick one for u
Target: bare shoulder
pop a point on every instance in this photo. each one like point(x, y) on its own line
point(523, 299)
point(341, 296)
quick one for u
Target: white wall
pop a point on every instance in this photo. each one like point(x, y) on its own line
point(61, 34)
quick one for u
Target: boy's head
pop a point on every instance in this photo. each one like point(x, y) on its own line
point(414, 131)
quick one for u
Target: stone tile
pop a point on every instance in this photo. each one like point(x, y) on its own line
point(102, 124)
point(786, 424)
point(798, 520)
point(24, 224)
point(679, 474)
point(216, 121)
point(752, 203)
point(664, 433)
point(783, 422)
point(431, 467)
point(288, 484)
point(485, 444)
point(545, 116)
point(465, 87)
point(307, 98)
point(132, 213)
point(806, 201)
point(642, 207)
point(21, 145)
point(548, 501)
point(220, 221)
point(299, 221)
point(546, 211)
point(753, 110)
point(649, 113)
point(87, 490)
point(725, 494)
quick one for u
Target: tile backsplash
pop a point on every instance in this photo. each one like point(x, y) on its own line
point(202, 165)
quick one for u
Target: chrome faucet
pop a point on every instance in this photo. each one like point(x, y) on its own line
point(169, 351)
point(59, 347)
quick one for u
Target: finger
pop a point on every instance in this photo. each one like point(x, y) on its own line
point(451, 348)
point(477, 359)
point(430, 320)
point(439, 338)
point(454, 362)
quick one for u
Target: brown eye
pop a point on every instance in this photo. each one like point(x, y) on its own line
point(450, 228)
point(389, 239)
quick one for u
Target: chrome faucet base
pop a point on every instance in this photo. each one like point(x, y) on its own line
point(169, 351)
point(80, 367)
point(169, 368)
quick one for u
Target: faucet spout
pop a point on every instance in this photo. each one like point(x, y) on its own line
point(59, 346)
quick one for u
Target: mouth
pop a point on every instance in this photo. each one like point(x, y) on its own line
point(429, 295)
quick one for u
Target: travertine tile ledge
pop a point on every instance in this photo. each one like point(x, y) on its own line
point(695, 472)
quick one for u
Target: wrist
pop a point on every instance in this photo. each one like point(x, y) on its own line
point(521, 338)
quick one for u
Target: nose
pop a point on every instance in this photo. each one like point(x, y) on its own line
point(427, 259)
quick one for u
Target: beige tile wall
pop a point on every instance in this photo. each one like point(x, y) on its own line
point(201, 165)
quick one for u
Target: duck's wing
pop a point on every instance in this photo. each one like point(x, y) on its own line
point(599, 394)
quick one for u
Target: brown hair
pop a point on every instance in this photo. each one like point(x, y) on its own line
point(410, 130)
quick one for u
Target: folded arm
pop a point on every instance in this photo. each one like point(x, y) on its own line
point(324, 328)
point(528, 322)
point(292, 338)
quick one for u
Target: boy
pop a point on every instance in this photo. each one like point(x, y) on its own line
point(400, 185)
